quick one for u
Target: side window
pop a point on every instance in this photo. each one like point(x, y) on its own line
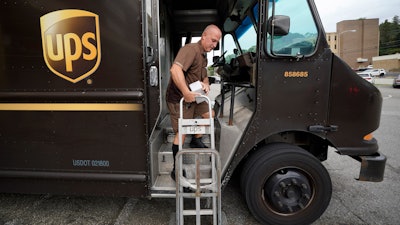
point(229, 46)
point(302, 37)
point(255, 12)
point(149, 32)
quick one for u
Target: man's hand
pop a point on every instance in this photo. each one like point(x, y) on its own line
point(190, 96)
point(205, 87)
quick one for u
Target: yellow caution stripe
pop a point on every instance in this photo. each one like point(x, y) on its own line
point(70, 107)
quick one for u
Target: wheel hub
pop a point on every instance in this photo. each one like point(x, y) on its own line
point(288, 191)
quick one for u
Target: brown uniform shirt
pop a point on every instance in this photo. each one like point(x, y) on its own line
point(193, 60)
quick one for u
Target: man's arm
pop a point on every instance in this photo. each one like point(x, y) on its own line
point(179, 79)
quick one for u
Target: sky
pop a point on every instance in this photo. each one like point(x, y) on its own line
point(332, 12)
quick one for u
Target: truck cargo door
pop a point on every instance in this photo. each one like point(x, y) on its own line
point(72, 98)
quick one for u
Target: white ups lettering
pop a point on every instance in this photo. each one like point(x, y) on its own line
point(90, 163)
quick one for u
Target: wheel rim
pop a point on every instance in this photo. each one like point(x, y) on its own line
point(288, 191)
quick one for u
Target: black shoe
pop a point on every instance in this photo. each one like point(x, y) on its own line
point(173, 175)
point(188, 190)
point(197, 143)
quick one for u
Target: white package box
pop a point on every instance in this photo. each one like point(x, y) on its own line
point(197, 87)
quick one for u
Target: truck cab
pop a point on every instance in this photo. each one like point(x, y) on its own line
point(83, 111)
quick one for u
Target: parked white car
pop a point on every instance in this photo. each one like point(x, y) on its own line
point(367, 76)
point(396, 81)
point(376, 72)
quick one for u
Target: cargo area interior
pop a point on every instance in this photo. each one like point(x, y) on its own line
point(233, 99)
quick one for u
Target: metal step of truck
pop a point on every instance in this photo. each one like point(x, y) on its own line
point(164, 186)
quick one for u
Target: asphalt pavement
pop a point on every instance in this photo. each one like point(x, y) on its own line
point(367, 203)
point(384, 81)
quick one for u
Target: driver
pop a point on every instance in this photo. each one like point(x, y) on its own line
point(190, 66)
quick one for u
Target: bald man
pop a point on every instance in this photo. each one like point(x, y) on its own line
point(190, 66)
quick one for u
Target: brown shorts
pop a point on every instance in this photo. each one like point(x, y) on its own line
point(190, 111)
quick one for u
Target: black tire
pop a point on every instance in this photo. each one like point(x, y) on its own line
point(284, 184)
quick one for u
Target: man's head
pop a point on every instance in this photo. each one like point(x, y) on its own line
point(210, 37)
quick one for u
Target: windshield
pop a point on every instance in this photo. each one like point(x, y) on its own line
point(246, 36)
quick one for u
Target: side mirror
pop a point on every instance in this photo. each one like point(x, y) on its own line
point(212, 80)
point(278, 25)
point(219, 60)
point(216, 59)
point(216, 47)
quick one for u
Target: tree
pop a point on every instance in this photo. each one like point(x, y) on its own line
point(389, 42)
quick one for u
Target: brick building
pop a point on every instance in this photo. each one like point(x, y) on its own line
point(331, 37)
point(356, 41)
point(388, 62)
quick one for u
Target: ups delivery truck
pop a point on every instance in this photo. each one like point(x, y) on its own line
point(82, 100)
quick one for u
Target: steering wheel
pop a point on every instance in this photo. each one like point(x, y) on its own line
point(218, 60)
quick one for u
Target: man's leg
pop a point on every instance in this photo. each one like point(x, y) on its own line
point(201, 110)
point(175, 149)
point(174, 116)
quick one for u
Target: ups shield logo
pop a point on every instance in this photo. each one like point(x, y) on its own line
point(71, 43)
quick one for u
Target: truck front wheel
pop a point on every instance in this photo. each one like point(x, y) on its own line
point(284, 184)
